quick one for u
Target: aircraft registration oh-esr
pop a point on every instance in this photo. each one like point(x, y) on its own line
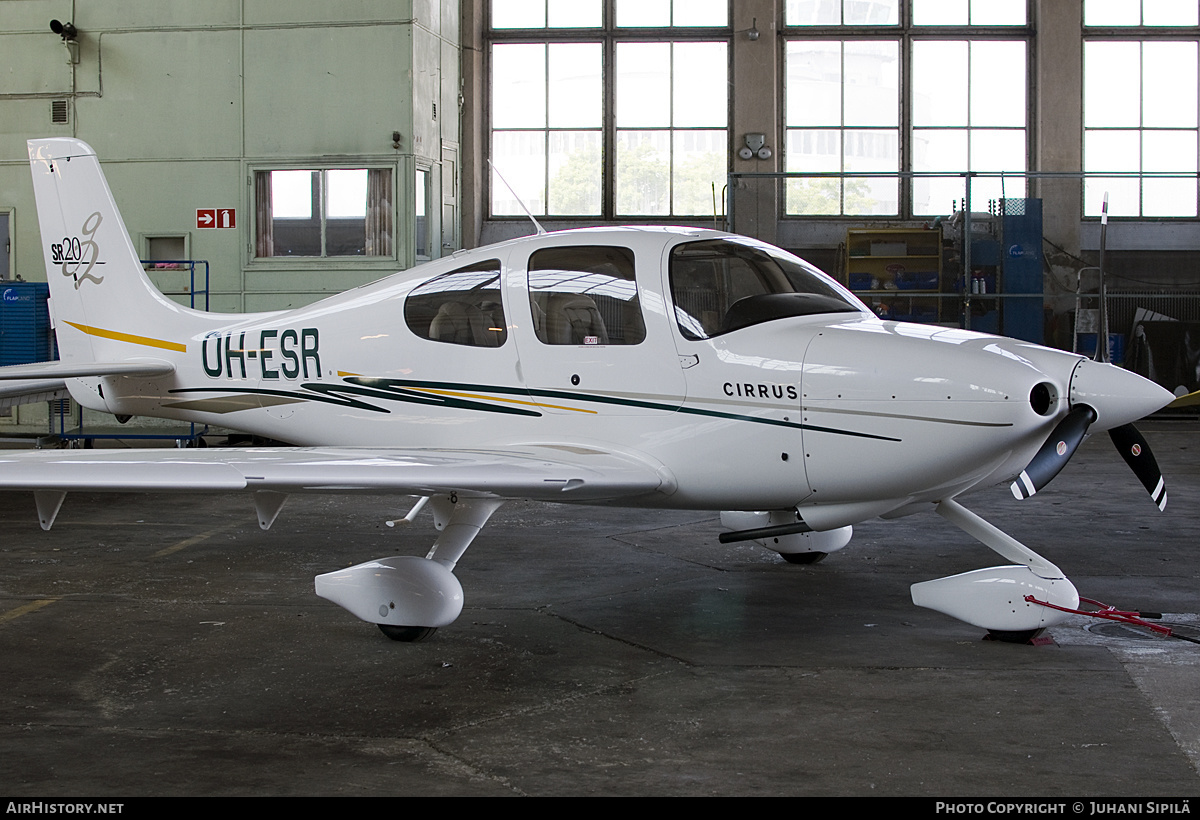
point(650, 367)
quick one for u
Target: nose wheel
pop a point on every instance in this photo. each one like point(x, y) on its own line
point(407, 634)
point(804, 557)
point(1021, 636)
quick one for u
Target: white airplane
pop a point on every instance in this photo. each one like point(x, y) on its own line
point(649, 367)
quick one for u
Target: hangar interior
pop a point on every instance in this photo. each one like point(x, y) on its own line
point(300, 149)
point(947, 159)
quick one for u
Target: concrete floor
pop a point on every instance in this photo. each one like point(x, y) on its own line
point(163, 645)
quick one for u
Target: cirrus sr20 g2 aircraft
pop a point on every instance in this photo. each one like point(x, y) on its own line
point(647, 367)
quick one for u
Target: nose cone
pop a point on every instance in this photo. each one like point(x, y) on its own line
point(1118, 396)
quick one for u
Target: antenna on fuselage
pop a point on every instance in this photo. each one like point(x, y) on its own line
point(1102, 324)
point(532, 219)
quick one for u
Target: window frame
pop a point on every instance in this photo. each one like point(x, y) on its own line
point(608, 35)
point(1142, 35)
point(905, 32)
point(324, 258)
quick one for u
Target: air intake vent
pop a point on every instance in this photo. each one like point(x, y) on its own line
point(60, 112)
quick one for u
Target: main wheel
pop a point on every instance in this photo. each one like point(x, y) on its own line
point(408, 634)
point(1019, 636)
point(804, 557)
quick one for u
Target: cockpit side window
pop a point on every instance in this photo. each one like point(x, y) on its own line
point(585, 295)
point(462, 307)
point(722, 285)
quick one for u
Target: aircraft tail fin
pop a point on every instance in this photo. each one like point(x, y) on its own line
point(103, 306)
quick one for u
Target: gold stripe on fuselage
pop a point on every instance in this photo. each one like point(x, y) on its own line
point(131, 338)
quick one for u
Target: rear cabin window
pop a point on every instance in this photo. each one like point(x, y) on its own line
point(722, 285)
point(585, 295)
point(462, 307)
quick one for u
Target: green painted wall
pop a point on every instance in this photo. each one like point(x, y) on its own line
point(183, 101)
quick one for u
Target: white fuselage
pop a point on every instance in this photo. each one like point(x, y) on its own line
point(830, 408)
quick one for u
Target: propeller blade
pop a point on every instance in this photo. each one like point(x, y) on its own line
point(1136, 452)
point(1056, 452)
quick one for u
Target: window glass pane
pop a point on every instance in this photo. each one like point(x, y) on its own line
point(585, 296)
point(1111, 151)
point(295, 224)
point(346, 197)
point(292, 194)
point(940, 79)
point(345, 231)
point(421, 213)
point(940, 12)
point(700, 84)
point(644, 13)
point(575, 14)
point(812, 13)
point(870, 12)
point(1111, 13)
point(1170, 151)
point(872, 83)
point(700, 13)
point(643, 172)
point(518, 14)
point(644, 84)
point(1111, 84)
point(521, 157)
point(813, 84)
point(1169, 13)
point(997, 83)
point(1169, 84)
point(575, 173)
point(576, 91)
point(720, 286)
point(997, 12)
point(938, 150)
point(871, 150)
point(463, 307)
point(818, 151)
point(519, 85)
point(699, 162)
point(997, 151)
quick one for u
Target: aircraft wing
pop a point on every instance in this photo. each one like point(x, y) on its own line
point(565, 473)
point(46, 381)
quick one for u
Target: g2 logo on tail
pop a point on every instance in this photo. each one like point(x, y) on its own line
point(74, 253)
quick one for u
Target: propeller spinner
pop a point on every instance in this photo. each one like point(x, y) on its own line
point(1112, 399)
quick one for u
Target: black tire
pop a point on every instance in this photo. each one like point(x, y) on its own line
point(1019, 636)
point(407, 634)
point(804, 557)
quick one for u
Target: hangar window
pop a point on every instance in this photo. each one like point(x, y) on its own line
point(607, 109)
point(927, 88)
point(585, 295)
point(462, 307)
point(323, 212)
point(1140, 116)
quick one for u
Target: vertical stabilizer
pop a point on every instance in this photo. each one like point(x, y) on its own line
point(104, 307)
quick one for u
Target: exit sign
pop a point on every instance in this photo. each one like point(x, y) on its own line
point(216, 217)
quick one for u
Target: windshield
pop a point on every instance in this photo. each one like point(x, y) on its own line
point(722, 285)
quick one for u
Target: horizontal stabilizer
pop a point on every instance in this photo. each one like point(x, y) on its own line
point(80, 370)
point(25, 391)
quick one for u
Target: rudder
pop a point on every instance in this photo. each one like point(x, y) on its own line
point(103, 305)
